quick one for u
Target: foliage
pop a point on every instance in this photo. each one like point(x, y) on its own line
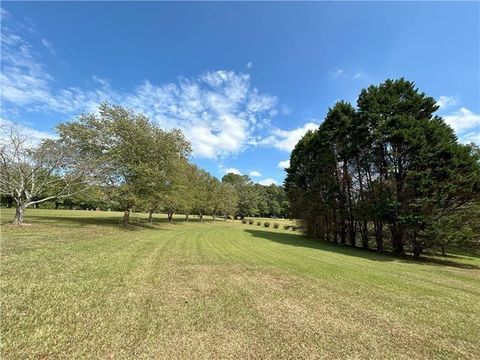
point(139, 160)
point(257, 200)
point(389, 165)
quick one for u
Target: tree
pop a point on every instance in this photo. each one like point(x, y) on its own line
point(32, 174)
point(248, 196)
point(391, 163)
point(225, 200)
point(138, 158)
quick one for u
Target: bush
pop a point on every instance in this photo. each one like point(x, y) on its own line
point(250, 222)
point(244, 221)
point(259, 223)
point(266, 224)
point(286, 227)
point(276, 225)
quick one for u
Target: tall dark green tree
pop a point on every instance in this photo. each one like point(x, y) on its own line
point(392, 164)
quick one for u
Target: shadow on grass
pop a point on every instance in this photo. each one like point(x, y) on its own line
point(299, 240)
point(107, 221)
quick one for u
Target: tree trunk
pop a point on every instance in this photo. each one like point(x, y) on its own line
point(443, 250)
point(417, 248)
point(352, 233)
point(19, 211)
point(170, 217)
point(201, 217)
point(225, 217)
point(343, 232)
point(213, 216)
point(379, 235)
point(397, 238)
point(150, 216)
point(57, 204)
point(186, 217)
point(364, 234)
point(126, 217)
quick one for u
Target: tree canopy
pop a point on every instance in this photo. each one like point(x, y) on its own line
point(390, 170)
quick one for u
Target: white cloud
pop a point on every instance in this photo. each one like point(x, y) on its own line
point(268, 181)
point(233, 171)
point(219, 111)
point(249, 65)
point(48, 45)
point(472, 137)
point(462, 120)
point(254, 173)
point(336, 73)
point(446, 101)
point(360, 75)
point(287, 139)
point(4, 13)
point(466, 124)
point(284, 164)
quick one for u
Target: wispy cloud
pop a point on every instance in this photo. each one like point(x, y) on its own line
point(249, 65)
point(48, 45)
point(361, 75)
point(336, 73)
point(219, 111)
point(471, 137)
point(254, 174)
point(446, 101)
point(4, 13)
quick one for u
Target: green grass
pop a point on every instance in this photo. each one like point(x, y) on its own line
point(75, 284)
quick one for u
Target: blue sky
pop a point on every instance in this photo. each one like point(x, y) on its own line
point(243, 80)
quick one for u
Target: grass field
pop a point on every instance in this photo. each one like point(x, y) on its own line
point(77, 285)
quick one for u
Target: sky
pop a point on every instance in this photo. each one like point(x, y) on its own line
point(244, 81)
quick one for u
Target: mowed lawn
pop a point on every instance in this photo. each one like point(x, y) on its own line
point(75, 284)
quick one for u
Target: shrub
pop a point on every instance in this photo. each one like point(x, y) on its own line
point(266, 224)
point(244, 221)
point(250, 222)
point(276, 225)
point(259, 223)
point(286, 227)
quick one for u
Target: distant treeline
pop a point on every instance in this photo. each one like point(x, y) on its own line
point(388, 173)
point(234, 196)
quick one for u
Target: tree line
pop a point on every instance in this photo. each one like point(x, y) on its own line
point(389, 173)
point(120, 160)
